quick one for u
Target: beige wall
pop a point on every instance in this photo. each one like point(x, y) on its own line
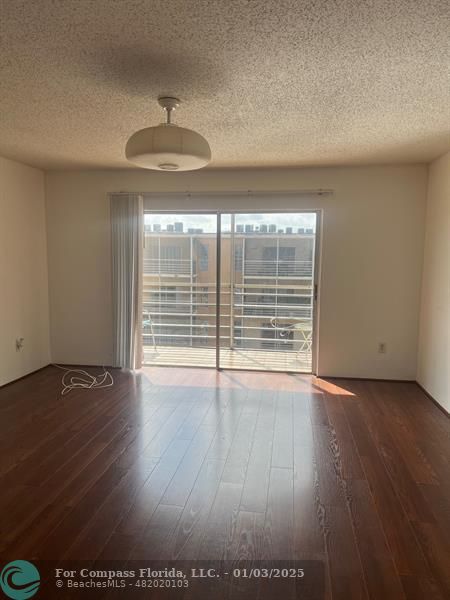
point(433, 371)
point(371, 260)
point(23, 271)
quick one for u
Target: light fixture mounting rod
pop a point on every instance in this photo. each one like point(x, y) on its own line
point(168, 103)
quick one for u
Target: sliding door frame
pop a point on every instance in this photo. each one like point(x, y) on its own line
point(218, 286)
point(316, 271)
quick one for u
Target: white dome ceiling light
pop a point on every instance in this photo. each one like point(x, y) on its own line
point(168, 147)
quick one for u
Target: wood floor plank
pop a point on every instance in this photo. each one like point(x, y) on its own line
point(256, 485)
point(405, 550)
point(227, 416)
point(202, 404)
point(168, 431)
point(183, 481)
point(239, 454)
point(150, 494)
point(418, 588)
point(330, 482)
point(309, 542)
point(279, 521)
point(187, 538)
point(409, 491)
point(380, 574)
point(283, 437)
point(247, 547)
point(318, 409)
point(147, 432)
point(399, 424)
point(345, 568)
point(154, 543)
point(436, 548)
point(347, 458)
point(95, 532)
point(248, 540)
point(437, 497)
point(55, 544)
point(221, 524)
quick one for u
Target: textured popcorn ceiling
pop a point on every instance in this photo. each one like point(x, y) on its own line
point(270, 82)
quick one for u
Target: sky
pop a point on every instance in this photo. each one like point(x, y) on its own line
point(208, 222)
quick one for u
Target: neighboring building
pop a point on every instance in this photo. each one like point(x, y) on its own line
point(270, 277)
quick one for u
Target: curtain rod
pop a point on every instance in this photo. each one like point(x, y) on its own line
point(318, 192)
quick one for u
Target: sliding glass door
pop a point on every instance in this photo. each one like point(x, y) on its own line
point(230, 290)
point(179, 289)
point(269, 279)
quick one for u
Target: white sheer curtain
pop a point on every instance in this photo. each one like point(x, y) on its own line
point(127, 230)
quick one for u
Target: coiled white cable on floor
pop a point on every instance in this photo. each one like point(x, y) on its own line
point(78, 378)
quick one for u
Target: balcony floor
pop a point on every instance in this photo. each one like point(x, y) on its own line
point(249, 360)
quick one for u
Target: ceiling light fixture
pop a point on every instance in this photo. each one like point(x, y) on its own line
point(168, 147)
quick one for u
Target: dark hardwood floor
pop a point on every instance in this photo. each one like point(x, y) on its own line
point(192, 464)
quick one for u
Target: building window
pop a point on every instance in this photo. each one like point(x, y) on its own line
point(171, 252)
point(270, 253)
point(280, 260)
point(202, 257)
point(170, 260)
point(286, 253)
point(238, 258)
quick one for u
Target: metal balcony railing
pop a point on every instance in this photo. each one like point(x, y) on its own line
point(169, 266)
point(184, 315)
point(283, 268)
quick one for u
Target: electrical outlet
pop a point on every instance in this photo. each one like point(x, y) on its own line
point(382, 348)
point(19, 343)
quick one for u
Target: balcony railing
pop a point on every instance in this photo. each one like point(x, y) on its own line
point(251, 267)
point(185, 316)
point(169, 266)
point(282, 268)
